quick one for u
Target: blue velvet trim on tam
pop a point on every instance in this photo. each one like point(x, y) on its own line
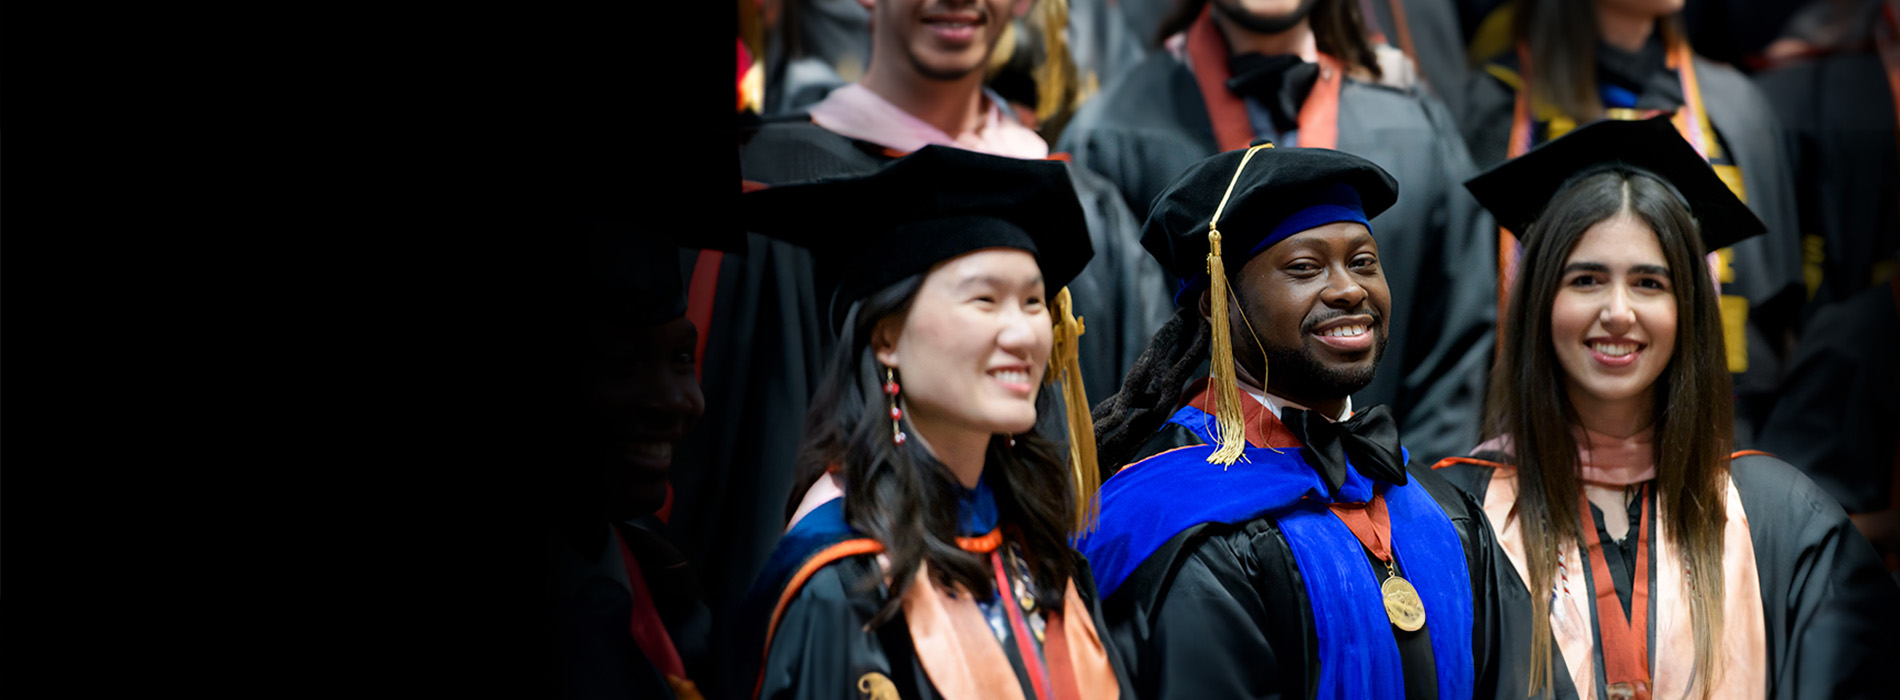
point(1338, 202)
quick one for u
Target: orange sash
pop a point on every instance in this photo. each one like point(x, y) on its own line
point(958, 651)
point(1742, 650)
point(1625, 638)
point(1207, 52)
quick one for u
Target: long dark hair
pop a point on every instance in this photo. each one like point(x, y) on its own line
point(904, 498)
point(1338, 30)
point(1562, 35)
point(1693, 408)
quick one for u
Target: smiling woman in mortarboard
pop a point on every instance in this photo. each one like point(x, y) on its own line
point(928, 552)
point(1651, 559)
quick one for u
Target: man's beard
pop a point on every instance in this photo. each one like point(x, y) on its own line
point(1299, 373)
point(1231, 11)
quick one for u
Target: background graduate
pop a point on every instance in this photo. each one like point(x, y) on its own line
point(1267, 541)
point(1574, 62)
point(928, 556)
point(1651, 560)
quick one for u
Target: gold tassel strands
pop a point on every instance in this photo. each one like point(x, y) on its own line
point(1055, 78)
point(1066, 367)
point(1227, 415)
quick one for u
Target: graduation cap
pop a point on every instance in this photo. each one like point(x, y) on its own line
point(1237, 204)
point(1518, 190)
point(1279, 192)
point(869, 232)
point(872, 231)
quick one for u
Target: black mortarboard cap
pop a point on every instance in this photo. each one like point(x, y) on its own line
point(1517, 190)
point(872, 231)
point(1278, 193)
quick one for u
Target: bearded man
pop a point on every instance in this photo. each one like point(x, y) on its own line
point(1265, 540)
point(1302, 73)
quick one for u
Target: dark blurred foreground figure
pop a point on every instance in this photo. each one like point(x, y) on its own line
point(1265, 539)
point(1302, 73)
point(1652, 560)
point(1574, 62)
point(627, 617)
point(927, 554)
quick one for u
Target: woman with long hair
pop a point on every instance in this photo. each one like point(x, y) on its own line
point(1566, 63)
point(1652, 559)
point(928, 553)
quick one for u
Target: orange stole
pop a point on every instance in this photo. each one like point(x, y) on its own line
point(1743, 645)
point(1208, 53)
point(954, 643)
point(1263, 428)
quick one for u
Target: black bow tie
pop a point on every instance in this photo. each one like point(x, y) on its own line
point(1279, 83)
point(1370, 438)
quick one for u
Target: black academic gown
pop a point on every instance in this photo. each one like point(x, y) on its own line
point(1839, 110)
point(823, 646)
point(1438, 45)
point(1830, 611)
point(821, 649)
point(1767, 268)
point(1221, 609)
point(592, 608)
point(1837, 411)
point(1144, 130)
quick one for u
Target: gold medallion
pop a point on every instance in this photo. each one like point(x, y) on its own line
point(875, 686)
point(1402, 604)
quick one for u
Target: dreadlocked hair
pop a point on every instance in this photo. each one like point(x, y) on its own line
point(1147, 397)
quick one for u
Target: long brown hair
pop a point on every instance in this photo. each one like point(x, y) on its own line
point(1338, 30)
point(904, 498)
point(1562, 36)
point(1693, 408)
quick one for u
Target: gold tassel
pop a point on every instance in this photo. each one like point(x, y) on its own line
point(1055, 79)
point(1065, 366)
point(1227, 415)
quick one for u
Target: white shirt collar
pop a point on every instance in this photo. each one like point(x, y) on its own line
point(1278, 405)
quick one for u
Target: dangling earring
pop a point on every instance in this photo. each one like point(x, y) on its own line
point(1012, 441)
point(890, 389)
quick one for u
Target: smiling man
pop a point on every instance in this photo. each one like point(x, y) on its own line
point(1265, 539)
point(1302, 73)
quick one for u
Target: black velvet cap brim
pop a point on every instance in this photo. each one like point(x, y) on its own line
point(1277, 183)
point(936, 204)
